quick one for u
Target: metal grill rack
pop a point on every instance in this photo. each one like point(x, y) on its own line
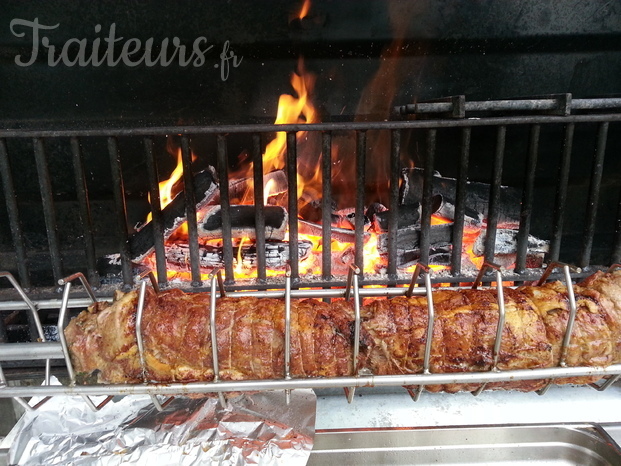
point(58, 350)
point(558, 111)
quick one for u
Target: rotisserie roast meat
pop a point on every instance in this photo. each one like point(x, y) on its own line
point(251, 335)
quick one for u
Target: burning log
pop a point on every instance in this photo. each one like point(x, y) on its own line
point(173, 215)
point(276, 180)
point(477, 195)
point(407, 215)
point(276, 255)
point(346, 219)
point(438, 255)
point(243, 222)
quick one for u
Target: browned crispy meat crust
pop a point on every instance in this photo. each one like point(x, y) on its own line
point(251, 335)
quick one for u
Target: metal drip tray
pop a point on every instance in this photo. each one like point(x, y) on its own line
point(571, 444)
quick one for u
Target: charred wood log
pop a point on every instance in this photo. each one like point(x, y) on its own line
point(408, 239)
point(346, 219)
point(506, 243)
point(477, 195)
point(141, 243)
point(276, 255)
point(341, 235)
point(438, 255)
point(243, 222)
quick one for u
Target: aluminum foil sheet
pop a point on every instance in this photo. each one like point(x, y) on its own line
point(257, 428)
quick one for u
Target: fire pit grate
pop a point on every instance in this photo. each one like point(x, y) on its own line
point(455, 114)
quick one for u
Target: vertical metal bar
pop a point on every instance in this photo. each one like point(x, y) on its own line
point(4, 338)
point(460, 201)
point(573, 310)
point(156, 211)
point(259, 211)
point(561, 193)
point(596, 181)
point(353, 283)
point(500, 296)
point(225, 205)
point(326, 205)
point(494, 196)
point(62, 323)
point(85, 211)
point(13, 215)
point(426, 210)
point(501, 318)
point(139, 340)
point(214, 334)
point(393, 217)
point(415, 394)
point(49, 210)
point(292, 196)
point(527, 199)
point(118, 189)
point(361, 158)
point(572, 316)
point(616, 251)
point(190, 210)
point(288, 331)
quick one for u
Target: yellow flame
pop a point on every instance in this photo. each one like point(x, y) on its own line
point(239, 268)
point(271, 184)
point(290, 110)
point(166, 186)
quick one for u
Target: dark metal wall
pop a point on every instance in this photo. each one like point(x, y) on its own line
point(481, 48)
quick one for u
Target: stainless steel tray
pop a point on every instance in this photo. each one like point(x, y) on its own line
point(574, 444)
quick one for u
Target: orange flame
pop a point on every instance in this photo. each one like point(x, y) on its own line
point(291, 109)
point(298, 109)
point(166, 186)
point(372, 258)
point(305, 9)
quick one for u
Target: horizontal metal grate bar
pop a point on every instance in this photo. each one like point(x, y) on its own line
point(291, 384)
point(333, 126)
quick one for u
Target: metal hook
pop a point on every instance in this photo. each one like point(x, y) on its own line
point(217, 272)
point(83, 280)
point(149, 273)
point(216, 275)
point(550, 268)
point(353, 283)
point(570, 321)
point(606, 384)
point(288, 331)
point(420, 267)
point(139, 340)
point(500, 297)
point(62, 323)
point(415, 394)
point(484, 267)
point(35, 316)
